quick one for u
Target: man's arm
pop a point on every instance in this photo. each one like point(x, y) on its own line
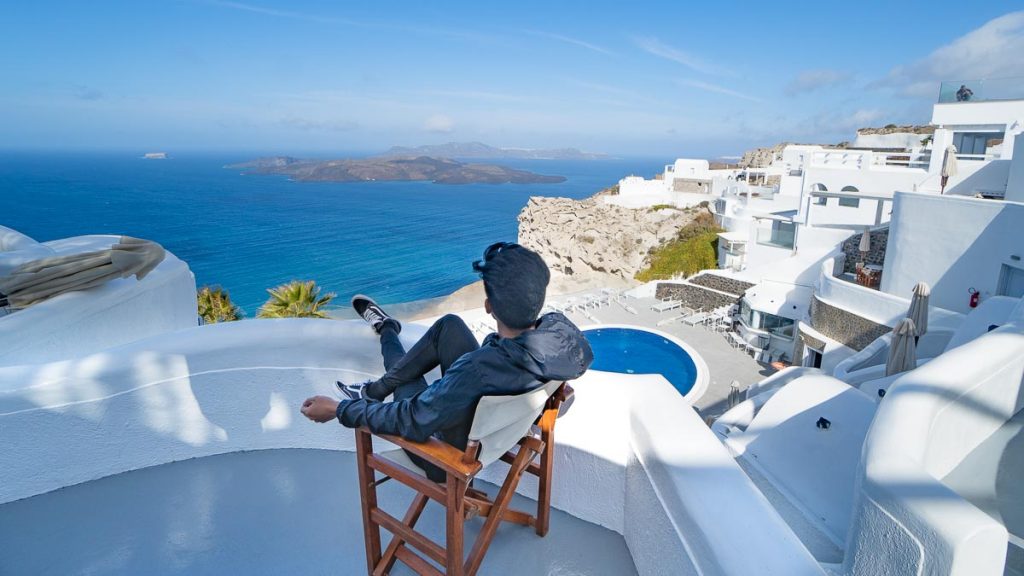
point(438, 406)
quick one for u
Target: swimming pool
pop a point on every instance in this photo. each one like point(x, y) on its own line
point(635, 351)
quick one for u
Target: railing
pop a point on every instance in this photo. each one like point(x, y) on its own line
point(861, 159)
point(912, 159)
point(992, 89)
point(976, 157)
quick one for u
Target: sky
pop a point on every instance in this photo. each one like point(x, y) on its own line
point(654, 79)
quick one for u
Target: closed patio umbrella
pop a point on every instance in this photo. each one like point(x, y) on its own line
point(38, 280)
point(902, 350)
point(949, 167)
point(865, 241)
point(919, 308)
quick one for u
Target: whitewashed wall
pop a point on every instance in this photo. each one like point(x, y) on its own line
point(1015, 176)
point(953, 244)
point(83, 322)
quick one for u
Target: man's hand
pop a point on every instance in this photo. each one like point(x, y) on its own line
point(320, 408)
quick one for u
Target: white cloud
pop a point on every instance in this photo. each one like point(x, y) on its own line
point(991, 51)
point(811, 80)
point(695, 63)
point(440, 124)
point(709, 87)
point(568, 40)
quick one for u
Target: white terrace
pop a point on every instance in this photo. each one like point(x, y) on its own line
point(142, 434)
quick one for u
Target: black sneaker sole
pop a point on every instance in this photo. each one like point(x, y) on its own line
point(372, 302)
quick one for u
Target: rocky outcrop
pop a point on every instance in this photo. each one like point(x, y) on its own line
point(761, 157)
point(588, 243)
point(894, 129)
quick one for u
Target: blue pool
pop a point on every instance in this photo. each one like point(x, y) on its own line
point(632, 351)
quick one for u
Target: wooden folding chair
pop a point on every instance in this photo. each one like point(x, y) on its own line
point(501, 430)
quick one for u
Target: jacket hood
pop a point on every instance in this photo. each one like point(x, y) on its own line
point(554, 350)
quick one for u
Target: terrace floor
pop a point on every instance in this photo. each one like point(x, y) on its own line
point(265, 512)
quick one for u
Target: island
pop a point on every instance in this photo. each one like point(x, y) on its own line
point(411, 169)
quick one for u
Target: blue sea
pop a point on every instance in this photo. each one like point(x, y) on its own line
point(397, 241)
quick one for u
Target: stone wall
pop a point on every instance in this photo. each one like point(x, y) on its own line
point(851, 248)
point(694, 297)
point(844, 327)
point(691, 185)
point(716, 282)
point(811, 341)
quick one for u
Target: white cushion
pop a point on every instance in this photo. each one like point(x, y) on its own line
point(402, 459)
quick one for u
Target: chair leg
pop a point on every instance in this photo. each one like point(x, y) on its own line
point(501, 502)
point(547, 461)
point(412, 516)
point(454, 525)
point(368, 496)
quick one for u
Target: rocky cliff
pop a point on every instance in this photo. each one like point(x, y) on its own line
point(761, 157)
point(588, 243)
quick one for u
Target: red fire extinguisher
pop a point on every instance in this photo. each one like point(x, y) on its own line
point(975, 295)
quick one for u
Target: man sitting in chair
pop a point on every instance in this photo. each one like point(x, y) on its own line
point(525, 352)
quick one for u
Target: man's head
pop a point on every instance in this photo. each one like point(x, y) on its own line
point(515, 280)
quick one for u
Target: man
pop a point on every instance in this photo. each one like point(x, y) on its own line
point(964, 93)
point(523, 353)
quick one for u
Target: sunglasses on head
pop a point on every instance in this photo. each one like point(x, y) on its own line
point(492, 251)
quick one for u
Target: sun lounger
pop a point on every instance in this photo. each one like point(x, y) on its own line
point(666, 305)
point(694, 319)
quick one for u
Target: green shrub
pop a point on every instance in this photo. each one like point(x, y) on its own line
point(215, 305)
point(657, 207)
point(694, 249)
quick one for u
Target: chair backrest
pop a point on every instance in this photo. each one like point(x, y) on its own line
point(501, 421)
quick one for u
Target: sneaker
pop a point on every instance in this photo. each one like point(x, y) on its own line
point(374, 315)
point(352, 391)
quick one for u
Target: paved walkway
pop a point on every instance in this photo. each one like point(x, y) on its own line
point(725, 363)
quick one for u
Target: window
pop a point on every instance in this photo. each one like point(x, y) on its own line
point(973, 142)
point(821, 201)
point(1011, 282)
point(849, 202)
point(776, 325)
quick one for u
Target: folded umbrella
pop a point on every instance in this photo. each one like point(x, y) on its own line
point(902, 348)
point(918, 311)
point(39, 280)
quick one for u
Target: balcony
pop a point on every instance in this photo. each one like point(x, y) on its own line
point(870, 160)
point(985, 90)
point(781, 234)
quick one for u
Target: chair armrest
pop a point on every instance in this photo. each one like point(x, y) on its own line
point(564, 392)
point(439, 453)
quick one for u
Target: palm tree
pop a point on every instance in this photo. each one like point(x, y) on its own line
point(296, 299)
point(215, 305)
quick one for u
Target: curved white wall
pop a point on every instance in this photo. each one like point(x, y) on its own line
point(632, 453)
point(120, 311)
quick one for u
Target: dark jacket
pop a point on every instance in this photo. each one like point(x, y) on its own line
point(554, 350)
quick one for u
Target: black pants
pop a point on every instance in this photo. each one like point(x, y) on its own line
point(443, 344)
point(446, 340)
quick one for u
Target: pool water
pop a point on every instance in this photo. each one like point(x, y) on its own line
point(632, 351)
